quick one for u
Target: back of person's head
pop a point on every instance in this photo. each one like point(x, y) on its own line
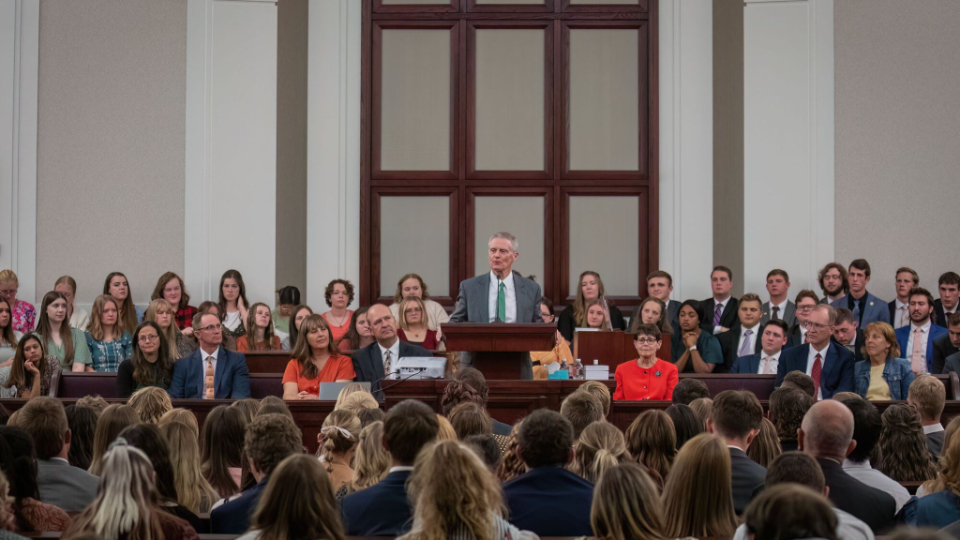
point(703, 408)
point(46, 421)
point(581, 409)
point(790, 511)
point(347, 390)
point(788, 406)
point(698, 497)
point(688, 390)
point(904, 455)
point(151, 403)
point(113, 420)
point(369, 416)
point(470, 419)
point(372, 461)
point(339, 434)
point(600, 447)
point(193, 491)
point(18, 463)
point(949, 461)
point(652, 441)
point(473, 378)
point(686, 425)
point(545, 439)
point(274, 405)
point(457, 392)
point(183, 416)
point(83, 425)
point(599, 391)
point(827, 430)
point(766, 445)
point(928, 395)
point(866, 427)
point(249, 406)
point(221, 447)
point(795, 468)
point(801, 381)
point(626, 505)
point(407, 428)
point(150, 441)
point(512, 465)
point(736, 414)
point(298, 503)
point(269, 439)
point(94, 401)
point(359, 401)
point(485, 446)
point(445, 431)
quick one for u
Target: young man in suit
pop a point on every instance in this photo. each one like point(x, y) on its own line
point(826, 435)
point(928, 396)
point(378, 361)
point(916, 340)
point(720, 311)
point(773, 338)
point(949, 300)
point(946, 349)
point(866, 307)
point(660, 285)
point(847, 334)
point(827, 362)
point(499, 296)
point(211, 372)
point(744, 338)
point(779, 307)
point(807, 300)
point(384, 508)
point(833, 282)
point(736, 419)
point(906, 279)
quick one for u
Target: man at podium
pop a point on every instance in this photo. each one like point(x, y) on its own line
point(500, 296)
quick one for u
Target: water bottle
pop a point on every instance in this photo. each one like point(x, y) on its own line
point(577, 370)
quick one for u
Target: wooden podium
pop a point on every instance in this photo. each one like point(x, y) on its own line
point(612, 348)
point(500, 348)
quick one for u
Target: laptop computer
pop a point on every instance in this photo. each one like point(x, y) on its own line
point(331, 390)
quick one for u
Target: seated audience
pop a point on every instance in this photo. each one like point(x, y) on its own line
point(561, 348)
point(315, 360)
point(904, 455)
point(114, 419)
point(94, 402)
point(905, 280)
point(928, 395)
point(378, 361)
point(694, 350)
point(127, 489)
point(743, 338)
point(697, 498)
point(473, 378)
point(298, 314)
point(274, 405)
point(651, 311)
point(773, 338)
point(445, 432)
point(359, 335)
point(150, 365)
point(228, 340)
point(357, 402)
point(260, 334)
point(789, 511)
point(268, 441)
point(23, 314)
point(703, 408)
point(788, 406)
point(413, 325)
point(338, 444)
point(946, 349)
point(720, 310)
point(807, 301)
point(597, 316)
point(548, 499)
point(187, 418)
point(827, 436)
point(828, 363)
point(371, 461)
point(7, 518)
point(288, 299)
point(626, 505)
point(67, 345)
point(179, 343)
point(194, 493)
point(511, 465)
point(575, 316)
point(779, 307)
point(652, 442)
point(348, 390)
point(18, 463)
point(647, 377)
point(487, 448)
point(82, 422)
point(233, 304)
point(470, 419)
point(949, 301)
point(581, 409)
point(8, 337)
point(848, 333)
point(78, 317)
point(413, 285)
point(383, 509)
point(766, 445)
point(866, 433)
point(941, 505)
point(338, 295)
point(32, 371)
point(916, 340)
point(170, 288)
point(866, 307)
point(801, 381)
point(369, 416)
point(298, 488)
point(736, 420)
point(129, 315)
point(600, 391)
point(151, 403)
point(221, 446)
point(688, 390)
point(883, 375)
point(685, 423)
point(600, 447)
point(249, 406)
point(200, 375)
point(108, 341)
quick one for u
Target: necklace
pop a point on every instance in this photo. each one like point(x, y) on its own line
point(333, 321)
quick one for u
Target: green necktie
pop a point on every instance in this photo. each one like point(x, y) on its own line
point(502, 303)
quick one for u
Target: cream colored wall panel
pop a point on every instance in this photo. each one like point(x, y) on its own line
point(593, 246)
point(415, 100)
point(415, 237)
point(521, 217)
point(604, 130)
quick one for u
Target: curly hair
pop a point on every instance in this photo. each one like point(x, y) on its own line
point(151, 403)
point(328, 292)
point(269, 439)
point(512, 465)
point(788, 406)
point(904, 455)
point(456, 393)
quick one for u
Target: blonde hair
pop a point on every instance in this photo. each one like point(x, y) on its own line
point(605, 324)
point(347, 389)
point(95, 327)
point(372, 461)
point(5, 499)
point(358, 401)
point(181, 416)
point(698, 497)
point(114, 419)
point(928, 395)
point(193, 491)
point(339, 434)
point(949, 475)
point(402, 316)
point(8, 276)
point(580, 305)
point(453, 491)
point(766, 445)
point(446, 431)
point(600, 391)
point(652, 441)
point(151, 403)
point(249, 406)
point(599, 448)
point(626, 505)
point(887, 333)
point(298, 503)
point(703, 408)
point(170, 334)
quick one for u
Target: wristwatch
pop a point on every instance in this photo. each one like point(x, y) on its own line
point(693, 348)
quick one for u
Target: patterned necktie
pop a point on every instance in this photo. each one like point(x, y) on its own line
point(716, 315)
point(502, 303)
point(765, 369)
point(776, 313)
point(745, 348)
point(916, 355)
point(208, 380)
point(815, 374)
point(387, 362)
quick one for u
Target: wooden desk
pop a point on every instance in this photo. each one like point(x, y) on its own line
point(612, 348)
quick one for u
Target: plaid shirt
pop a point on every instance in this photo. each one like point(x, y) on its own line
point(184, 316)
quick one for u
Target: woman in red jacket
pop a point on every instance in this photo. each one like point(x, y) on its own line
point(647, 377)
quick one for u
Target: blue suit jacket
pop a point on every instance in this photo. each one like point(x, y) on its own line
point(903, 337)
point(836, 374)
point(231, 380)
point(234, 517)
point(550, 501)
point(875, 309)
point(380, 510)
point(746, 364)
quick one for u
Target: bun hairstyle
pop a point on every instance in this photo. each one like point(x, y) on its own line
point(340, 433)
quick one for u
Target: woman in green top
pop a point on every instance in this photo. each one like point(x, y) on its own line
point(693, 350)
point(150, 364)
point(68, 345)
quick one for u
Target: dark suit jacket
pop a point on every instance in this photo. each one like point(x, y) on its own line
point(836, 374)
point(368, 363)
point(728, 317)
point(729, 341)
point(747, 365)
point(550, 501)
point(942, 349)
point(234, 517)
point(748, 479)
point(231, 380)
point(872, 506)
point(903, 338)
point(795, 338)
point(935, 443)
point(380, 510)
point(673, 311)
point(566, 325)
point(941, 317)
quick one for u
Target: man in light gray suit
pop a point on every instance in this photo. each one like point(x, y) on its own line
point(500, 296)
point(62, 485)
point(779, 306)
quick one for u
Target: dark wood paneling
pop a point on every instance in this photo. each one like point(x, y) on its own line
point(545, 6)
point(606, 9)
point(380, 7)
point(511, 16)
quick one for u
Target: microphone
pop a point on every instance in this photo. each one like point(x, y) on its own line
point(384, 388)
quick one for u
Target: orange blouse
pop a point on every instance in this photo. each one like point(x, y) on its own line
point(337, 368)
point(338, 331)
point(635, 383)
point(243, 344)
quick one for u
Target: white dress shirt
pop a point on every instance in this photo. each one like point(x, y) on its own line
point(803, 335)
point(394, 356)
point(933, 428)
point(204, 355)
point(876, 479)
point(901, 317)
point(924, 334)
point(774, 361)
point(752, 338)
point(811, 358)
point(511, 298)
point(723, 306)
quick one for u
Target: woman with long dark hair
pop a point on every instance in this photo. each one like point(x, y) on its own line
point(18, 459)
point(221, 448)
point(67, 345)
point(117, 286)
point(233, 303)
point(150, 364)
point(32, 371)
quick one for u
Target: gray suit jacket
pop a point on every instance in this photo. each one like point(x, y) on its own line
point(65, 486)
point(788, 316)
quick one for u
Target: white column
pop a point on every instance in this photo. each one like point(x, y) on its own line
point(231, 154)
point(789, 136)
point(686, 145)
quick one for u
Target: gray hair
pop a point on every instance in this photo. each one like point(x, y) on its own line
point(514, 244)
point(828, 427)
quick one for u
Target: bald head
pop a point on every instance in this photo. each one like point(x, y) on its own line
point(827, 430)
point(383, 324)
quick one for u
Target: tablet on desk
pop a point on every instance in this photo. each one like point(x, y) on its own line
point(331, 390)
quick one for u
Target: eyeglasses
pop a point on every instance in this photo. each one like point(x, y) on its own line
point(211, 328)
point(805, 308)
point(146, 338)
point(646, 341)
point(811, 326)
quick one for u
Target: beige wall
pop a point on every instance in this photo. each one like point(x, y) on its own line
point(110, 171)
point(897, 127)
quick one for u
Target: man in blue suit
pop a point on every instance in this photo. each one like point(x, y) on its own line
point(230, 380)
point(829, 363)
point(765, 362)
point(384, 508)
point(866, 307)
point(916, 340)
